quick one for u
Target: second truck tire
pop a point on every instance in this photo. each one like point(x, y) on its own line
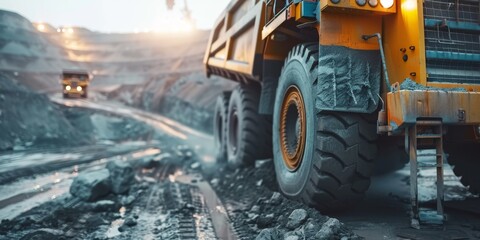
point(220, 126)
point(248, 133)
point(324, 159)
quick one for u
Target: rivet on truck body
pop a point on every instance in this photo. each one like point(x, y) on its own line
point(461, 115)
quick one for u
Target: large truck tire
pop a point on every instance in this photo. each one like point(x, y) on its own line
point(220, 126)
point(465, 162)
point(324, 159)
point(248, 133)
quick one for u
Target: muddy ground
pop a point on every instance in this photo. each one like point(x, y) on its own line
point(177, 194)
point(170, 199)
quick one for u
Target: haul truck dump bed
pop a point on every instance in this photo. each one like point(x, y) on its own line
point(236, 41)
point(330, 88)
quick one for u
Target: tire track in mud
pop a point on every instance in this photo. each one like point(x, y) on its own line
point(189, 205)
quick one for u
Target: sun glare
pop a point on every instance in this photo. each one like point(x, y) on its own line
point(41, 27)
point(173, 22)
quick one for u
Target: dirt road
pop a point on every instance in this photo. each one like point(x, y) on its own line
point(187, 197)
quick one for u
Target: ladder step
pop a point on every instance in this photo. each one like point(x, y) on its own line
point(427, 136)
point(429, 165)
point(429, 155)
point(429, 216)
point(429, 123)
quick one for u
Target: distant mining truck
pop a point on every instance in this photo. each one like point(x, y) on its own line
point(329, 89)
point(75, 83)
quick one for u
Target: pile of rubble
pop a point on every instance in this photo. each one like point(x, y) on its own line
point(258, 210)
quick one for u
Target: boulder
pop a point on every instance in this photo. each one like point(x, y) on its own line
point(130, 222)
point(276, 199)
point(296, 218)
point(292, 237)
point(310, 229)
point(215, 182)
point(264, 221)
point(270, 234)
point(90, 186)
point(329, 229)
point(121, 176)
point(127, 200)
point(195, 165)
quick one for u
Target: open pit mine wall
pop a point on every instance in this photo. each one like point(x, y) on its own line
point(157, 72)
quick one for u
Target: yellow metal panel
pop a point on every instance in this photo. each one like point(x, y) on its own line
point(216, 62)
point(403, 34)
point(405, 106)
point(278, 21)
point(347, 30)
point(238, 66)
point(242, 47)
point(238, 38)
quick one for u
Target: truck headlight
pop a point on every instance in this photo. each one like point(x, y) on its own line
point(386, 3)
point(79, 88)
point(68, 88)
point(373, 3)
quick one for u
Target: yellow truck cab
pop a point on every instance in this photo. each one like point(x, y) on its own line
point(75, 83)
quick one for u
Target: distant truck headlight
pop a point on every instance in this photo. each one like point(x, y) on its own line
point(68, 88)
point(386, 3)
point(373, 3)
point(79, 88)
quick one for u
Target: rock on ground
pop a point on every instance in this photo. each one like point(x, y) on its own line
point(90, 186)
point(297, 218)
point(276, 199)
point(104, 206)
point(329, 229)
point(44, 233)
point(121, 176)
point(264, 221)
point(270, 234)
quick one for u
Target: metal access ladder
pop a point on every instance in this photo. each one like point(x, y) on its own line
point(425, 134)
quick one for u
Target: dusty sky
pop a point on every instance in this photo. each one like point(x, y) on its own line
point(116, 15)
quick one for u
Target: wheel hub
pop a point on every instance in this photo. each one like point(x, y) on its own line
point(292, 128)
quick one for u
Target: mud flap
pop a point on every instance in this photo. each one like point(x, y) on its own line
point(349, 80)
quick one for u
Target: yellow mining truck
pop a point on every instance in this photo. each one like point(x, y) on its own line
point(75, 83)
point(327, 87)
